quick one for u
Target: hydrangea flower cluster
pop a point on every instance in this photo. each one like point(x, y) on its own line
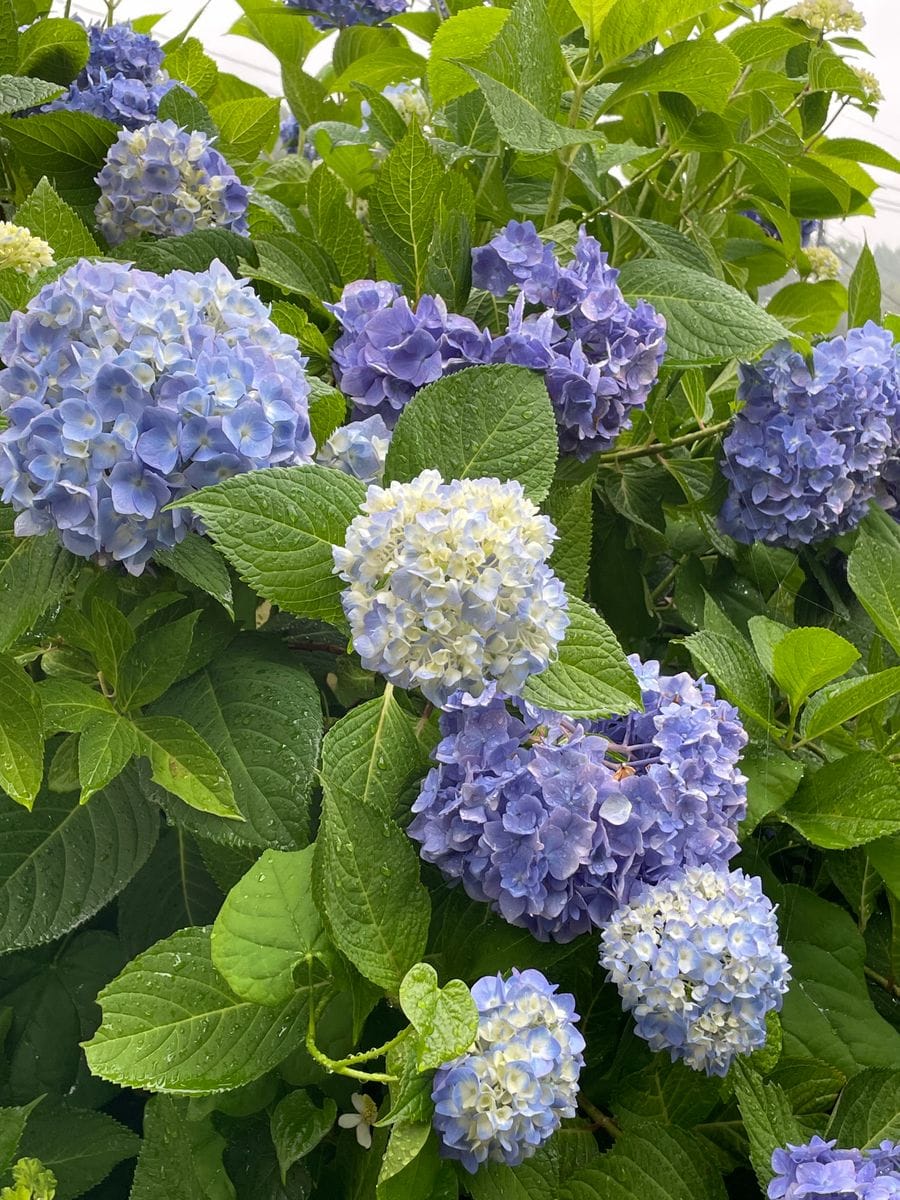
point(338, 14)
point(555, 822)
point(358, 449)
point(21, 251)
point(31, 1181)
point(507, 1094)
point(449, 586)
point(818, 1171)
point(163, 180)
point(828, 16)
point(823, 262)
point(123, 80)
point(808, 226)
point(389, 349)
point(125, 390)
point(600, 355)
point(805, 453)
point(697, 961)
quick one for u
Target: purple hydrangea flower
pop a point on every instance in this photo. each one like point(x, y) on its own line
point(518, 258)
point(165, 181)
point(125, 390)
point(338, 14)
point(805, 453)
point(358, 449)
point(818, 1170)
point(555, 822)
point(808, 228)
point(509, 1092)
point(123, 80)
point(697, 962)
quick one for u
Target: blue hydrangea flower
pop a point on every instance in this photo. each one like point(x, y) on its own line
point(697, 962)
point(449, 586)
point(819, 1171)
point(510, 1091)
point(358, 449)
point(389, 349)
point(123, 80)
point(125, 390)
point(555, 822)
point(338, 14)
point(600, 355)
point(167, 181)
point(808, 228)
point(805, 453)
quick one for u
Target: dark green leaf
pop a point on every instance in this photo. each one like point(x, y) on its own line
point(848, 802)
point(767, 1118)
point(298, 1125)
point(337, 228)
point(181, 1157)
point(195, 560)
point(182, 107)
point(874, 574)
point(864, 290)
point(80, 1147)
point(868, 1111)
point(648, 1162)
point(66, 147)
point(154, 662)
point(21, 733)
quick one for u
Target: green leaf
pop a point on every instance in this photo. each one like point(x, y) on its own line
point(445, 1018)
point(569, 506)
point(298, 1125)
point(705, 71)
point(841, 702)
point(9, 36)
point(262, 716)
point(767, 1118)
point(708, 321)
point(182, 107)
point(68, 704)
point(874, 574)
point(18, 92)
point(195, 560)
point(267, 927)
point(110, 637)
point(246, 127)
point(621, 26)
point(466, 35)
point(337, 228)
point(772, 778)
point(828, 1013)
point(482, 421)
point(806, 659)
point(372, 754)
point(184, 764)
point(403, 207)
point(80, 1147)
point(448, 270)
point(277, 527)
point(49, 217)
point(411, 1165)
point(154, 662)
point(868, 1111)
point(189, 252)
point(21, 734)
point(665, 242)
point(65, 861)
point(735, 671)
point(410, 1094)
point(524, 127)
point(105, 746)
point(366, 881)
point(547, 1173)
point(181, 1157)
point(34, 574)
point(171, 1024)
point(848, 802)
point(66, 147)
point(53, 49)
point(12, 1120)
point(327, 411)
point(648, 1162)
point(191, 65)
point(810, 308)
point(864, 290)
point(765, 635)
point(591, 676)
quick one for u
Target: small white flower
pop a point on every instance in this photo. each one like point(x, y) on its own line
point(829, 16)
point(21, 251)
point(362, 1120)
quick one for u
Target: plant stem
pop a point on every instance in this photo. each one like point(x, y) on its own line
point(343, 1066)
point(888, 984)
point(662, 586)
point(599, 1117)
point(686, 439)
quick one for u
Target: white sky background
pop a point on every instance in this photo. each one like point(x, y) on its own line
point(882, 33)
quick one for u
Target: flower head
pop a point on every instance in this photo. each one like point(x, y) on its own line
point(823, 263)
point(555, 822)
point(338, 14)
point(164, 180)
point(362, 1120)
point(805, 453)
point(31, 1181)
point(449, 586)
point(697, 962)
point(21, 251)
point(516, 257)
point(509, 1092)
point(828, 16)
point(125, 390)
point(358, 449)
point(817, 1170)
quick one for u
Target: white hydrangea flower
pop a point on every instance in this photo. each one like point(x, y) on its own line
point(21, 251)
point(829, 16)
point(823, 263)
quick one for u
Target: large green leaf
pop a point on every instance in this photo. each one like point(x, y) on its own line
point(545, 1174)
point(465, 36)
point(48, 216)
point(21, 733)
point(841, 702)
point(61, 863)
point(591, 676)
point(735, 671)
point(181, 1155)
point(708, 321)
point(246, 127)
point(445, 1018)
point(171, 1024)
point(874, 574)
point(868, 1111)
point(79, 1146)
point(767, 1117)
point(105, 746)
point(54, 49)
point(806, 659)
point(66, 147)
point(483, 421)
point(19, 92)
point(277, 527)
point(848, 802)
point(648, 1162)
point(154, 662)
point(185, 765)
point(195, 560)
point(34, 572)
point(522, 125)
point(337, 228)
point(704, 71)
point(620, 26)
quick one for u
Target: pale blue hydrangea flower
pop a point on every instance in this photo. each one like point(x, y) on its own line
point(817, 1170)
point(806, 452)
point(125, 390)
point(358, 449)
point(167, 181)
point(449, 586)
point(555, 822)
point(338, 14)
point(697, 962)
point(509, 1092)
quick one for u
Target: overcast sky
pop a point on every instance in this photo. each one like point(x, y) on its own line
point(882, 33)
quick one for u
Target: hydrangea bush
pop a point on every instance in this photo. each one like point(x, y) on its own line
point(449, 608)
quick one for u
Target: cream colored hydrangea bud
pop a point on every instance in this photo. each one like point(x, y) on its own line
point(21, 251)
point(829, 16)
